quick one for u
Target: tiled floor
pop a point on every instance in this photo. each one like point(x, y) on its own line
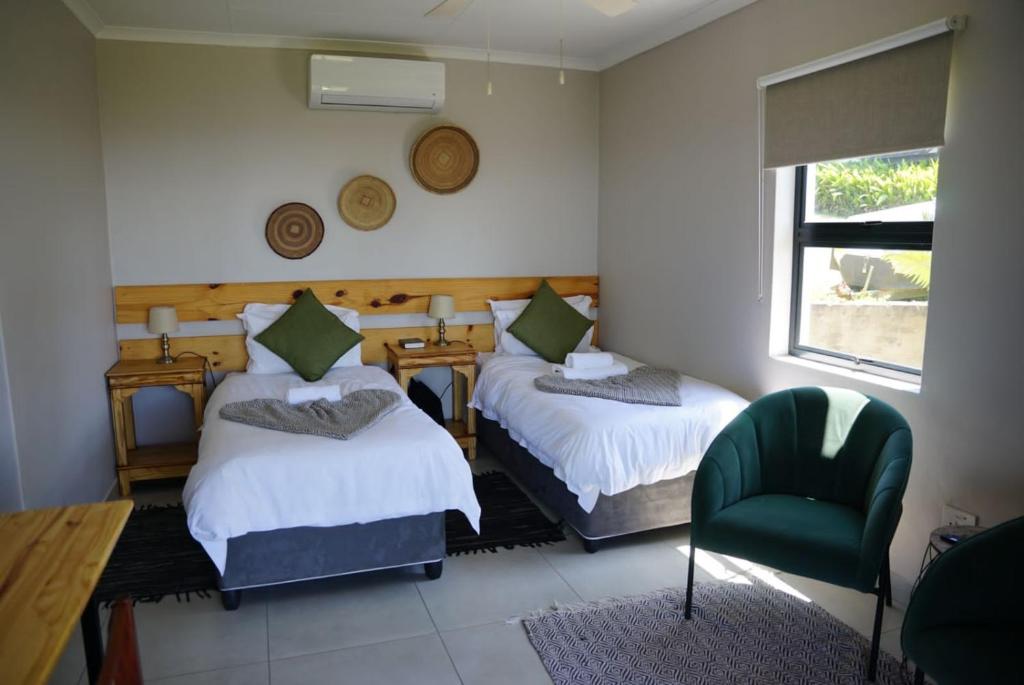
point(395, 627)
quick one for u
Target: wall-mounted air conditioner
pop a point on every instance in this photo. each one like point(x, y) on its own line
point(373, 83)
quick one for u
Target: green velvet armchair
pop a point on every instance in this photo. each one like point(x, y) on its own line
point(965, 620)
point(809, 481)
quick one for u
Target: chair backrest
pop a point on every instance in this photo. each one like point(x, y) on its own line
point(121, 665)
point(795, 455)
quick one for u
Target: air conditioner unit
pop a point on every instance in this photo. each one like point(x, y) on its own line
point(373, 83)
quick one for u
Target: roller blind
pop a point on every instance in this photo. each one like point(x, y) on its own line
point(888, 102)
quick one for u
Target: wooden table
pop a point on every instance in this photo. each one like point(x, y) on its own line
point(127, 377)
point(50, 563)
point(461, 357)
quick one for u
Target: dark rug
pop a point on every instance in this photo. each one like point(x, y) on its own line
point(508, 519)
point(738, 634)
point(157, 557)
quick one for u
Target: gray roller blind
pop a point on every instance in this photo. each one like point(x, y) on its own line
point(889, 102)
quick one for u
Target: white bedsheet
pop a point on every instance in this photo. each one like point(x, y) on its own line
point(599, 446)
point(255, 479)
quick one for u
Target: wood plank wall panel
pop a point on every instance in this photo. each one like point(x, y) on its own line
point(217, 302)
point(227, 352)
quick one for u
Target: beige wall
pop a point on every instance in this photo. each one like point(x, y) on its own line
point(201, 143)
point(678, 249)
point(55, 299)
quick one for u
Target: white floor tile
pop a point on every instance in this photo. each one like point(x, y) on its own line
point(625, 567)
point(188, 637)
point(891, 643)
point(251, 674)
point(855, 609)
point(486, 588)
point(414, 661)
point(71, 665)
point(495, 654)
point(344, 612)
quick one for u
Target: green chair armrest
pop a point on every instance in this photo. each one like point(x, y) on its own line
point(883, 504)
point(729, 472)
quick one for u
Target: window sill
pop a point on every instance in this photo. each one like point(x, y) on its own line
point(851, 374)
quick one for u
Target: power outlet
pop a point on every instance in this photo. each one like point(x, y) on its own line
point(951, 516)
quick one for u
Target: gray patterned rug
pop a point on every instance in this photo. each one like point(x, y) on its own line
point(738, 634)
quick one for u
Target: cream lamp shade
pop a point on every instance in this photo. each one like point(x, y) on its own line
point(441, 307)
point(163, 320)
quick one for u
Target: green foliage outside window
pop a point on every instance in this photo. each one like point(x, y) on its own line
point(871, 184)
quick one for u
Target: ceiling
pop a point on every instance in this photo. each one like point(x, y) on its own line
point(522, 31)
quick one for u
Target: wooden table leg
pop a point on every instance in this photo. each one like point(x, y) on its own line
point(458, 396)
point(92, 637)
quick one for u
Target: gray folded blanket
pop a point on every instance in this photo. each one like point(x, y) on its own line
point(341, 420)
point(642, 385)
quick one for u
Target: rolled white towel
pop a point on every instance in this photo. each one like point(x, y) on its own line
point(588, 360)
point(309, 393)
point(615, 369)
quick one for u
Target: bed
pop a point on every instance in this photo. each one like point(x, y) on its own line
point(608, 468)
point(271, 507)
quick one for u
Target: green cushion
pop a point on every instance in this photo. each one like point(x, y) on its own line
point(309, 337)
point(791, 533)
point(549, 325)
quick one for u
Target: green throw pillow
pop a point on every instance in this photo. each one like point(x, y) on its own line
point(549, 325)
point(309, 337)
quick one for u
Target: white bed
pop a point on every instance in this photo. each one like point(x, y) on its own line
point(601, 447)
point(252, 479)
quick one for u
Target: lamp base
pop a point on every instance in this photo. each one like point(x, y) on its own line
point(441, 342)
point(165, 347)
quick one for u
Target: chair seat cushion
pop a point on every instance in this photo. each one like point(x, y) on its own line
point(807, 537)
point(968, 654)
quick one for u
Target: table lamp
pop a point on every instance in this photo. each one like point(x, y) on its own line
point(441, 307)
point(163, 320)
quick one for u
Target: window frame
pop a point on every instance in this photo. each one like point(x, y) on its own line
point(902, 235)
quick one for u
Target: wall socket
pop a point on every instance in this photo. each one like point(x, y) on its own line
point(951, 516)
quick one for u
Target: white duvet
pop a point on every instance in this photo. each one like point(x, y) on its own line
point(599, 446)
point(255, 479)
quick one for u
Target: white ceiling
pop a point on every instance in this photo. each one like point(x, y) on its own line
point(525, 31)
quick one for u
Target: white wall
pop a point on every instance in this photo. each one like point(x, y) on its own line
point(678, 216)
point(202, 142)
point(55, 298)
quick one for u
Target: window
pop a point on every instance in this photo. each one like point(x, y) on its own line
point(862, 260)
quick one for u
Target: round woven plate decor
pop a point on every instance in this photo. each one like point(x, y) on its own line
point(444, 159)
point(294, 230)
point(366, 203)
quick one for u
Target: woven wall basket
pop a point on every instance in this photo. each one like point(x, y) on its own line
point(294, 230)
point(444, 159)
point(366, 203)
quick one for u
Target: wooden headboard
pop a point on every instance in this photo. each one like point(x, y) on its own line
point(222, 301)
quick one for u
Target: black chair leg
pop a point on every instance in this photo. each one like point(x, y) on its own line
point(888, 580)
point(918, 676)
point(876, 634)
point(689, 582)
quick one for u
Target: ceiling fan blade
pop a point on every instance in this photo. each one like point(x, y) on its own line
point(612, 8)
point(448, 8)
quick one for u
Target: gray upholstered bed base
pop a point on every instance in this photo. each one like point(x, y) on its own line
point(289, 555)
point(644, 507)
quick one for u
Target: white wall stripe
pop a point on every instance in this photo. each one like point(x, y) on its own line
point(202, 329)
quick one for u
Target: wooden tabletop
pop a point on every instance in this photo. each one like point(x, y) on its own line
point(453, 352)
point(50, 563)
point(134, 367)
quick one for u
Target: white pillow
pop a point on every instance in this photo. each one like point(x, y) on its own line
point(507, 311)
point(257, 317)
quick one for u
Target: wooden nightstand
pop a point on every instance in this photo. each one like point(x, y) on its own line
point(462, 358)
point(124, 379)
